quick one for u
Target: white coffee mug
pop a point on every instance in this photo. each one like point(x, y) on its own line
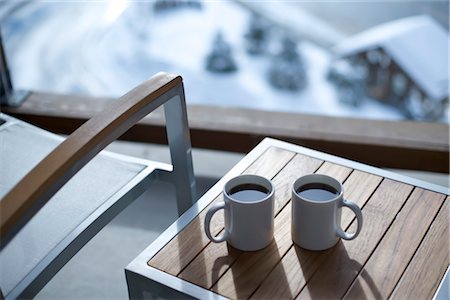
point(249, 212)
point(317, 202)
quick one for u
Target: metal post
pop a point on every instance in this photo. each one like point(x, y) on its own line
point(8, 96)
point(6, 88)
point(180, 151)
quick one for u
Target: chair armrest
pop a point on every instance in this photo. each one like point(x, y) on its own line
point(42, 182)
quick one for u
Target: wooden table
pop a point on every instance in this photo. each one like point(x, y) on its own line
point(401, 252)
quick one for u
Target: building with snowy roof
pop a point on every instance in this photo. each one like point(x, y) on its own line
point(406, 62)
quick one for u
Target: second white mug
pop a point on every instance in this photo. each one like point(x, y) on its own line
point(317, 202)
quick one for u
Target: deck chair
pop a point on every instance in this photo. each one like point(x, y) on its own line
point(56, 193)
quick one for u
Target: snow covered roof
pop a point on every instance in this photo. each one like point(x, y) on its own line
point(418, 45)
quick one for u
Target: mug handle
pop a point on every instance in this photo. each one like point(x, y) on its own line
point(208, 217)
point(357, 211)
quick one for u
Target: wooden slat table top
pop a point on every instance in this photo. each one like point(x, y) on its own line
point(401, 252)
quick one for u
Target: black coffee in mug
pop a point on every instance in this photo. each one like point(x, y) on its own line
point(317, 192)
point(248, 192)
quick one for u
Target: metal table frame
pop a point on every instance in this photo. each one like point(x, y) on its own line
point(148, 282)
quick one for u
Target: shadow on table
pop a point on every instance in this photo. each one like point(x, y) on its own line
point(331, 281)
point(251, 268)
point(224, 262)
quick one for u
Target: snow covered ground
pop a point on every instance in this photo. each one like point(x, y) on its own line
point(106, 48)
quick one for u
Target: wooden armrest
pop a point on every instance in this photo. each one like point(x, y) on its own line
point(42, 182)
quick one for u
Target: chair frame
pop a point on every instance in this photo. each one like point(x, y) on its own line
point(42, 182)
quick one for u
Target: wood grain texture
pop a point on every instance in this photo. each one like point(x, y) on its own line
point(337, 171)
point(250, 269)
point(369, 182)
point(215, 259)
point(424, 273)
point(183, 248)
point(386, 265)
point(41, 183)
point(270, 164)
point(335, 274)
point(412, 145)
point(298, 264)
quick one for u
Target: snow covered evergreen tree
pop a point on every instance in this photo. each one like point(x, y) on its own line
point(257, 35)
point(287, 71)
point(220, 59)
